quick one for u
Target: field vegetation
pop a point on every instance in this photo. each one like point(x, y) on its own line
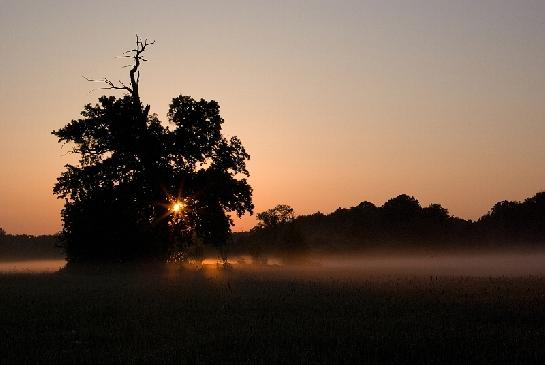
point(247, 314)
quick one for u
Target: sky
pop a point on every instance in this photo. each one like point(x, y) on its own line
point(337, 102)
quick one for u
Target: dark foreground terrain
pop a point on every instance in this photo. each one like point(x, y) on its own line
point(269, 316)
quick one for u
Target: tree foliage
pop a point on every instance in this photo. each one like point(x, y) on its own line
point(273, 217)
point(402, 222)
point(27, 247)
point(277, 234)
point(133, 169)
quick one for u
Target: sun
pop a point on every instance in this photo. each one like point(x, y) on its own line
point(177, 206)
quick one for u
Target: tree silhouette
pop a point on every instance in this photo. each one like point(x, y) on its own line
point(276, 233)
point(143, 189)
point(516, 222)
point(400, 223)
point(273, 217)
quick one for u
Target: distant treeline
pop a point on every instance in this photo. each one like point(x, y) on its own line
point(401, 222)
point(24, 246)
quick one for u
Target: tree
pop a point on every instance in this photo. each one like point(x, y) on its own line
point(273, 217)
point(277, 233)
point(402, 206)
point(142, 189)
point(516, 221)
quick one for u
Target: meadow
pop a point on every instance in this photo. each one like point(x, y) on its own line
point(245, 314)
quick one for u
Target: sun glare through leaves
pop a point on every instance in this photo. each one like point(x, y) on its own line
point(177, 207)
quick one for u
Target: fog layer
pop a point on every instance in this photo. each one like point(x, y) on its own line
point(451, 264)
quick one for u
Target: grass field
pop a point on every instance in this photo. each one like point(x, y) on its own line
point(269, 316)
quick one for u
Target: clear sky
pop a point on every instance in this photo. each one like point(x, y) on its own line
point(336, 101)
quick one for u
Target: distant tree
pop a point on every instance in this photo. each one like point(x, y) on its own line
point(142, 189)
point(435, 213)
point(24, 246)
point(273, 217)
point(399, 217)
point(503, 220)
point(401, 222)
point(401, 206)
point(522, 222)
point(277, 233)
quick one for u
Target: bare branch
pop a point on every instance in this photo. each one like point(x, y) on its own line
point(136, 55)
point(122, 84)
point(110, 84)
point(91, 80)
point(116, 87)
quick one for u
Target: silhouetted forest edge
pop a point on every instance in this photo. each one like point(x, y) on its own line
point(26, 247)
point(399, 224)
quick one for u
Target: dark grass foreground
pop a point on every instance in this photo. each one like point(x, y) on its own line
point(268, 316)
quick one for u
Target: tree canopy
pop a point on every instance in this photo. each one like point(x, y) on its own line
point(273, 217)
point(143, 188)
point(400, 223)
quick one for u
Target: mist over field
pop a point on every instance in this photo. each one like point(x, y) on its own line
point(524, 262)
point(390, 307)
point(521, 262)
point(446, 264)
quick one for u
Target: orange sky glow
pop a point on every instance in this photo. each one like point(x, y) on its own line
point(336, 102)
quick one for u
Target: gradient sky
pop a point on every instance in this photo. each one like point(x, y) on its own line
point(336, 101)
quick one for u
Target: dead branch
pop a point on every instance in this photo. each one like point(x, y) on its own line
point(134, 73)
